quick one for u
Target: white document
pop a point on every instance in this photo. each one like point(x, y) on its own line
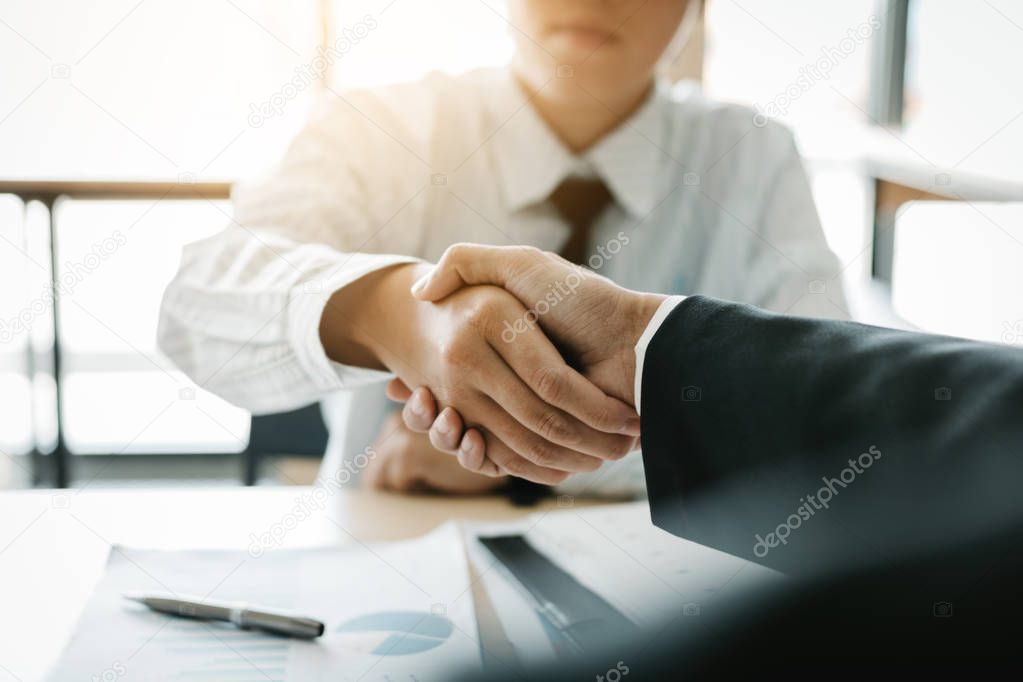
point(647, 574)
point(397, 611)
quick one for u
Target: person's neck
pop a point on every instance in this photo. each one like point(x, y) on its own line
point(577, 117)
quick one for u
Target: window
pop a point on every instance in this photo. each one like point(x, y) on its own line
point(956, 263)
point(964, 106)
point(127, 91)
point(808, 68)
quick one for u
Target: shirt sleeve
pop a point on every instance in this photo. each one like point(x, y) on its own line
point(241, 317)
point(792, 269)
point(660, 315)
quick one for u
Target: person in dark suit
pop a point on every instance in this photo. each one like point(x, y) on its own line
point(881, 469)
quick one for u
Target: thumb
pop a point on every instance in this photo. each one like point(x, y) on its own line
point(463, 265)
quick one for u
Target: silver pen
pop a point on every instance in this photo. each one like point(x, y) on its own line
point(242, 615)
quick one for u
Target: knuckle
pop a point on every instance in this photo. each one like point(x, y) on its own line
point(455, 352)
point(477, 319)
point(444, 394)
point(540, 454)
point(623, 446)
point(616, 454)
point(456, 395)
point(489, 326)
point(484, 311)
point(549, 383)
point(497, 453)
point(603, 416)
point(514, 466)
point(456, 251)
point(527, 250)
point(551, 426)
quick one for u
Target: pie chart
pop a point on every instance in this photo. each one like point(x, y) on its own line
point(394, 633)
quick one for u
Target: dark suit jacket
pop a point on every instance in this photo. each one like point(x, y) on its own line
point(801, 444)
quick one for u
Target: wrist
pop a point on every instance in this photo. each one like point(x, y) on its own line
point(358, 316)
point(639, 310)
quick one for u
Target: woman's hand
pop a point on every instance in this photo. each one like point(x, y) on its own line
point(540, 419)
point(407, 462)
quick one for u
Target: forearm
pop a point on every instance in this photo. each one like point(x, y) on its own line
point(364, 322)
point(240, 317)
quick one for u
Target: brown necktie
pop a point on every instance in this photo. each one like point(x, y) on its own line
point(580, 201)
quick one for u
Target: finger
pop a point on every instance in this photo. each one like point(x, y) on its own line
point(539, 364)
point(397, 390)
point(464, 264)
point(507, 461)
point(538, 450)
point(526, 422)
point(472, 453)
point(420, 410)
point(446, 432)
point(523, 402)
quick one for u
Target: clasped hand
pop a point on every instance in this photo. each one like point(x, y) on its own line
point(534, 415)
point(597, 324)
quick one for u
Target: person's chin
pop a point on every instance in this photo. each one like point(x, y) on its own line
point(577, 42)
point(571, 44)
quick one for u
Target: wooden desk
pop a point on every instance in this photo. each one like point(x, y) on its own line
point(53, 544)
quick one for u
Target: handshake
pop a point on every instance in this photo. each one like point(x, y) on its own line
point(571, 344)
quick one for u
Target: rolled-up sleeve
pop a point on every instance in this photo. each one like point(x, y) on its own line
point(241, 317)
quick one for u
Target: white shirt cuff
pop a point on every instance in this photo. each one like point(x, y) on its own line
point(667, 305)
point(306, 309)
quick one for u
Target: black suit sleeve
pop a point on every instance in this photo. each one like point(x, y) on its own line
point(798, 443)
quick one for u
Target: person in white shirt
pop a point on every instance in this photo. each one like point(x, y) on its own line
point(306, 293)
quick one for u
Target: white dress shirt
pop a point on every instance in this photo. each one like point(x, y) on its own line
point(705, 201)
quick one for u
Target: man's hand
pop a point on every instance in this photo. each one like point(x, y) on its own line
point(597, 322)
point(407, 462)
point(540, 419)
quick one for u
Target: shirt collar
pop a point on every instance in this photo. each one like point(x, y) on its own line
point(632, 159)
point(629, 159)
